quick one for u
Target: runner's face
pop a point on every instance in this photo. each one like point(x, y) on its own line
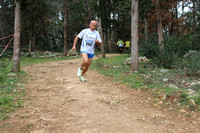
point(93, 26)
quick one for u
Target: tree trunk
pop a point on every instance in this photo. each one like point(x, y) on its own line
point(65, 27)
point(2, 34)
point(5, 26)
point(183, 27)
point(146, 27)
point(177, 23)
point(169, 28)
point(109, 41)
point(54, 40)
point(194, 14)
point(134, 36)
point(110, 31)
point(16, 49)
point(106, 39)
point(101, 34)
point(159, 25)
point(33, 43)
point(30, 41)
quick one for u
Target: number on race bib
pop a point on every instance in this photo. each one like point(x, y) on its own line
point(89, 42)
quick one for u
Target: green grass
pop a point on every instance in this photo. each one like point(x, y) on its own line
point(149, 78)
point(12, 91)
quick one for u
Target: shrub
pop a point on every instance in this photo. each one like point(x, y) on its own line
point(151, 50)
point(175, 47)
point(196, 39)
point(192, 64)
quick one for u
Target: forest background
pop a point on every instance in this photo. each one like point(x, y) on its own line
point(43, 22)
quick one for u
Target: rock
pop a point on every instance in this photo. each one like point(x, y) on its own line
point(43, 54)
point(115, 67)
point(128, 61)
point(52, 55)
point(72, 53)
point(173, 86)
point(194, 122)
point(182, 111)
point(171, 108)
point(190, 53)
point(192, 102)
point(146, 128)
point(158, 116)
point(174, 100)
point(165, 80)
point(12, 74)
point(142, 118)
point(163, 70)
point(159, 103)
point(168, 122)
point(154, 89)
point(20, 84)
point(144, 87)
point(192, 93)
point(143, 59)
point(195, 83)
point(106, 66)
point(162, 97)
point(178, 104)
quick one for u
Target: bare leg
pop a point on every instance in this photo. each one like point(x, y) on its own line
point(85, 60)
point(85, 69)
point(86, 63)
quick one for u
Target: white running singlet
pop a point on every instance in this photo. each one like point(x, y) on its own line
point(88, 40)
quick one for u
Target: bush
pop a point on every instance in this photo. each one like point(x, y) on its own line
point(178, 45)
point(175, 47)
point(151, 50)
point(192, 64)
point(7, 53)
point(167, 59)
point(196, 39)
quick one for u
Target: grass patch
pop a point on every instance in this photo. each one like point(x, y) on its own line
point(172, 83)
point(12, 91)
point(117, 68)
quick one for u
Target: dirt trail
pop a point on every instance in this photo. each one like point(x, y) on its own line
point(57, 102)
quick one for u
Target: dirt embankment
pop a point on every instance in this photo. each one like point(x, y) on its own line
point(57, 102)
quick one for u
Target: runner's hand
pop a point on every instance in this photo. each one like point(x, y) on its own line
point(73, 48)
point(97, 41)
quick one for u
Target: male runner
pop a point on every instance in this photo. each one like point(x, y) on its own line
point(89, 37)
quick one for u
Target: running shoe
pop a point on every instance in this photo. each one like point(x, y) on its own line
point(79, 72)
point(82, 79)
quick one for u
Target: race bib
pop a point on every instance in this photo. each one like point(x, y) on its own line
point(120, 45)
point(88, 42)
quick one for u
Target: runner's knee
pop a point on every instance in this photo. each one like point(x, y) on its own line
point(85, 61)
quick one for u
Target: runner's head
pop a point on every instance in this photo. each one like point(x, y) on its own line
point(93, 25)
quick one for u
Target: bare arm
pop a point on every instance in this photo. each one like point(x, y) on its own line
point(74, 44)
point(97, 41)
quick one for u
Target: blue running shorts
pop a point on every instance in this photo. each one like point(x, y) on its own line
point(89, 55)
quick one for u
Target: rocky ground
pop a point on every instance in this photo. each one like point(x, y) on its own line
point(57, 102)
